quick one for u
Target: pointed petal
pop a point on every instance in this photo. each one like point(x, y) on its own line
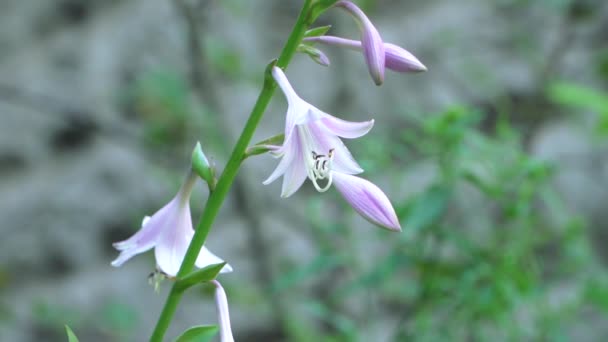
point(373, 47)
point(171, 247)
point(295, 175)
point(221, 302)
point(400, 60)
point(145, 238)
point(346, 129)
point(206, 258)
point(368, 200)
point(324, 140)
point(286, 160)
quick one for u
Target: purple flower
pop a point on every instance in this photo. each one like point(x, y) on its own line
point(396, 58)
point(221, 302)
point(313, 149)
point(373, 48)
point(169, 232)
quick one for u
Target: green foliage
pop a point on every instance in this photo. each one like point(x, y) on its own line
point(71, 336)
point(483, 245)
point(582, 97)
point(199, 333)
point(200, 276)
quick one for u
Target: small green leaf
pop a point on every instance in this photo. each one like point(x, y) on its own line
point(315, 54)
point(317, 31)
point(200, 276)
point(575, 95)
point(200, 164)
point(199, 333)
point(262, 146)
point(71, 336)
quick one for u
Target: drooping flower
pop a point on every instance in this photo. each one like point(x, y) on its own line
point(169, 231)
point(313, 149)
point(373, 47)
point(396, 58)
point(221, 303)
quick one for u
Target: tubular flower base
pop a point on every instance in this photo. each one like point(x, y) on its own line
point(169, 231)
point(313, 149)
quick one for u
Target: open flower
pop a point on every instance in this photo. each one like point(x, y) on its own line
point(169, 231)
point(313, 149)
point(396, 58)
point(373, 47)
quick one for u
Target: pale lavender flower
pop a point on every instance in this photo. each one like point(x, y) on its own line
point(373, 47)
point(396, 58)
point(169, 231)
point(221, 302)
point(313, 149)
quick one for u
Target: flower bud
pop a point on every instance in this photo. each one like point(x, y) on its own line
point(373, 47)
point(200, 164)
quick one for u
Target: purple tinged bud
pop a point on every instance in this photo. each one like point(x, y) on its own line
point(397, 58)
point(373, 47)
point(400, 60)
point(321, 58)
point(368, 200)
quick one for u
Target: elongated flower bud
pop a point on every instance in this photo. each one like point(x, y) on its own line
point(396, 58)
point(221, 302)
point(373, 47)
point(368, 200)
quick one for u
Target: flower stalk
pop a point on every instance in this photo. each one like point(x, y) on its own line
point(228, 175)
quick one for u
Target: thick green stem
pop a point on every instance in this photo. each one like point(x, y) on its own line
point(216, 199)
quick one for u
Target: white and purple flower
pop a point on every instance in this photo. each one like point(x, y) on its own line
point(169, 231)
point(313, 149)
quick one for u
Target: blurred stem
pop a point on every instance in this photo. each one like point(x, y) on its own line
point(227, 178)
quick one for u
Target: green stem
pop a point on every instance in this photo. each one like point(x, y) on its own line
point(224, 183)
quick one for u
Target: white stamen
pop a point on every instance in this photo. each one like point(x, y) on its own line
point(318, 166)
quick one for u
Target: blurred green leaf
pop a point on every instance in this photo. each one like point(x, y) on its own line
point(71, 336)
point(579, 96)
point(200, 333)
point(200, 276)
point(426, 208)
point(317, 31)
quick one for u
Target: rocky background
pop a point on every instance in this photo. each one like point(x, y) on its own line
point(101, 103)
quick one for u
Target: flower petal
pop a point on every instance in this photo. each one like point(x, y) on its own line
point(296, 174)
point(206, 258)
point(146, 237)
point(373, 47)
point(288, 154)
point(324, 140)
point(400, 60)
point(221, 302)
point(171, 247)
point(368, 200)
point(346, 129)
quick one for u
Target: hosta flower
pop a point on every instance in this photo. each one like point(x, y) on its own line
point(396, 58)
point(373, 47)
point(313, 149)
point(169, 231)
point(221, 302)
